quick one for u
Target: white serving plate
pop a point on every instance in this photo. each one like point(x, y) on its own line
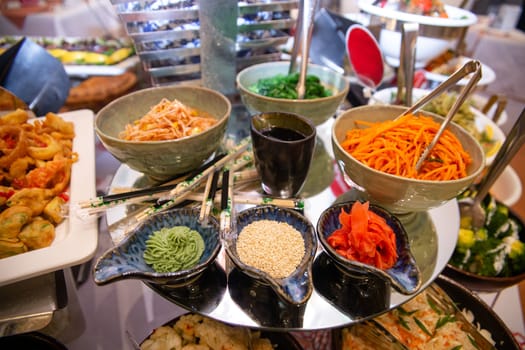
point(457, 17)
point(427, 47)
point(76, 239)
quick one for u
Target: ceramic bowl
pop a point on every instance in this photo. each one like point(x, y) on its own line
point(318, 110)
point(404, 276)
point(126, 261)
point(161, 160)
point(297, 287)
point(394, 193)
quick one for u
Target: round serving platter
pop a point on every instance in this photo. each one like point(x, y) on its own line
point(226, 294)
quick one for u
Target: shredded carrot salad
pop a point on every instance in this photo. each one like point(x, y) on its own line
point(365, 236)
point(168, 120)
point(394, 147)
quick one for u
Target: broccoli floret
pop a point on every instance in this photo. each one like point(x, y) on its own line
point(517, 257)
point(466, 240)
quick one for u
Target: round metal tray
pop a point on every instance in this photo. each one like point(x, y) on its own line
point(227, 294)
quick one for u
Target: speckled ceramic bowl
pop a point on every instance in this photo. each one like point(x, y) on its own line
point(126, 261)
point(297, 287)
point(399, 194)
point(161, 160)
point(404, 276)
point(318, 110)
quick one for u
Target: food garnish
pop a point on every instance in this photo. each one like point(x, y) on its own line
point(168, 120)
point(365, 236)
point(172, 249)
point(285, 86)
point(394, 147)
point(274, 247)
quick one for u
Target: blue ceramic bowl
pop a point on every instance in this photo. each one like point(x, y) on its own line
point(125, 261)
point(297, 287)
point(404, 276)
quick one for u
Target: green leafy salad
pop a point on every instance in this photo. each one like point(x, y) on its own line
point(284, 86)
point(495, 250)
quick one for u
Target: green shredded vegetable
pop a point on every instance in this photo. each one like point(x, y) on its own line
point(285, 86)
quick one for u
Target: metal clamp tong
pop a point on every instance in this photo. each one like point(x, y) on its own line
point(470, 67)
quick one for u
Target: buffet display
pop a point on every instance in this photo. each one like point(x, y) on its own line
point(207, 233)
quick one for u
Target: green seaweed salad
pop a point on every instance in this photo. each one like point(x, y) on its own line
point(494, 250)
point(285, 86)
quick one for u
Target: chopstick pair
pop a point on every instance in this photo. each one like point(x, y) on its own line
point(183, 189)
point(145, 194)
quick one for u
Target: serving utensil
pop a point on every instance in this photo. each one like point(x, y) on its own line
point(471, 206)
point(407, 61)
point(469, 67)
point(307, 20)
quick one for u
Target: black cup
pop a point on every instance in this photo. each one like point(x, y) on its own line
point(283, 146)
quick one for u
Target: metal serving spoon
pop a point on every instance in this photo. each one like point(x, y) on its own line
point(471, 206)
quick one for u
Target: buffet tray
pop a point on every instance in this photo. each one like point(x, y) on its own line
point(76, 239)
point(227, 294)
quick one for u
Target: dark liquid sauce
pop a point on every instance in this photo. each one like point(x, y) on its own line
point(283, 134)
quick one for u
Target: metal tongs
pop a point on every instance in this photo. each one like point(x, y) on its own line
point(473, 66)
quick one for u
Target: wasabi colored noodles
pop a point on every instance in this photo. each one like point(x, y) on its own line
point(173, 249)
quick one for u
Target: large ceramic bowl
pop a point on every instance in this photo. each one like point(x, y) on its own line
point(126, 260)
point(161, 160)
point(399, 194)
point(318, 110)
point(297, 287)
point(404, 276)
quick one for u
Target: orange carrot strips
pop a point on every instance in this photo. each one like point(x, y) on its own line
point(395, 146)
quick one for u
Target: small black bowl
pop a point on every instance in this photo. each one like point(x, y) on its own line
point(297, 287)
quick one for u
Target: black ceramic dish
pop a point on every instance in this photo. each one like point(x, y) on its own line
point(296, 288)
point(404, 276)
point(280, 340)
point(484, 317)
point(126, 261)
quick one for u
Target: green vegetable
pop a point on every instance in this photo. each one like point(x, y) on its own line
point(493, 250)
point(284, 86)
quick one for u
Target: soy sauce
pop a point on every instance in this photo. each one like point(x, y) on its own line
point(283, 134)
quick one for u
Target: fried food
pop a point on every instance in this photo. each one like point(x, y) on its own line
point(36, 157)
point(12, 220)
point(10, 248)
point(39, 233)
point(195, 332)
